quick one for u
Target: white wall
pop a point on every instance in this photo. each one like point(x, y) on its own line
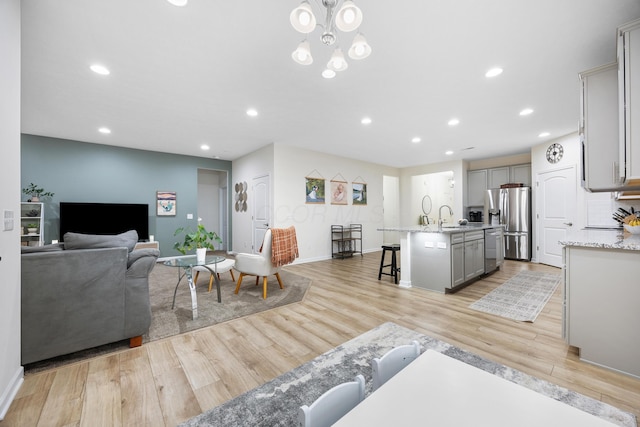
point(288, 167)
point(253, 165)
point(312, 221)
point(11, 372)
point(410, 196)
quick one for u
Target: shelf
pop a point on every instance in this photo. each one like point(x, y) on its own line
point(345, 240)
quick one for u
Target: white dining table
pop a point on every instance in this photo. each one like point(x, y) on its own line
point(438, 390)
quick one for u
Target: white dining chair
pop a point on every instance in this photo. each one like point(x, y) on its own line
point(392, 362)
point(332, 405)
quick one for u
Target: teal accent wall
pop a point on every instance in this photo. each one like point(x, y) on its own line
point(83, 172)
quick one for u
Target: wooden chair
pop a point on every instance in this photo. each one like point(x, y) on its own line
point(392, 362)
point(332, 405)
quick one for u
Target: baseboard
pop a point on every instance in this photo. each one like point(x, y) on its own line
point(10, 392)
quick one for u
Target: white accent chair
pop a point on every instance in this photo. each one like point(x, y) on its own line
point(332, 405)
point(393, 362)
point(221, 267)
point(258, 265)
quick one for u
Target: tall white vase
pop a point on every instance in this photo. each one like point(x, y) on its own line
point(201, 254)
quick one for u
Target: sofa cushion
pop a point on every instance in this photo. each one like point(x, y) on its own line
point(45, 248)
point(127, 239)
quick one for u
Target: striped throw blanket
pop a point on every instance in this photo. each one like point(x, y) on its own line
point(284, 246)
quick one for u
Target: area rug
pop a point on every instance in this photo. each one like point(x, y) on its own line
point(166, 322)
point(276, 403)
point(522, 297)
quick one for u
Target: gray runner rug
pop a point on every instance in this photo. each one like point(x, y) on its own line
point(522, 297)
point(276, 403)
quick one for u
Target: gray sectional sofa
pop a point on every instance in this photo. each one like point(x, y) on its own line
point(85, 292)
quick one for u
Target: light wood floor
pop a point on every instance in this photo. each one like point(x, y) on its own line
point(166, 382)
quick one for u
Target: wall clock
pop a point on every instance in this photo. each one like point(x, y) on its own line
point(554, 153)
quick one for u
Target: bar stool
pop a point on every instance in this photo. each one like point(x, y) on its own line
point(393, 272)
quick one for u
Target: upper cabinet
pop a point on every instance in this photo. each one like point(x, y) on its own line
point(599, 128)
point(628, 45)
point(609, 119)
point(476, 187)
point(480, 180)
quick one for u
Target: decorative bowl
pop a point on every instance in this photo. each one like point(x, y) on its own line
point(633, 229)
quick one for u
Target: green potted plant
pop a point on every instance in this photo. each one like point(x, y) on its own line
point(200, 240)
point(32, 228)
point(36, 192)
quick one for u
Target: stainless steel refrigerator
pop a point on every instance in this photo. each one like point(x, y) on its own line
point(511, 207)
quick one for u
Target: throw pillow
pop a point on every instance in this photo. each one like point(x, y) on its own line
point(127, 239)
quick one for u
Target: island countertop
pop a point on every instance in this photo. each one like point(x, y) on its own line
point(447, 229)
point(603, 239)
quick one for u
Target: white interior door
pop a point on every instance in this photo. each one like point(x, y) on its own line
point(556, 209)
point(261, 210)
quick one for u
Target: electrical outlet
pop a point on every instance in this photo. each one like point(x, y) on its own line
point(189, 216)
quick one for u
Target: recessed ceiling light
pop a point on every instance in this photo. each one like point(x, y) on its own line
point(178, 2)
point(416, 139)
point(104, 130)
point(448, 153)
point(543, 134)
point(100, 69)
point(493, 72)
point(526, 112)
point(328, 74)
point(366, 121)
point(252, 112)
point(204, 147)
point(453, 122)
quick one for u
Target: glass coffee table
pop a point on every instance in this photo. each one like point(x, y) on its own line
point(185, 266)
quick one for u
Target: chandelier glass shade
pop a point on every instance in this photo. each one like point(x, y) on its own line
point(347, 18)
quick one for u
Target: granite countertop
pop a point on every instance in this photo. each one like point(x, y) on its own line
point(605, 239)
point(446, 229)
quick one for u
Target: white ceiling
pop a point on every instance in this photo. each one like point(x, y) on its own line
point(184, 76)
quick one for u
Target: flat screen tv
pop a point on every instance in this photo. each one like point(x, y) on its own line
point(104, 218)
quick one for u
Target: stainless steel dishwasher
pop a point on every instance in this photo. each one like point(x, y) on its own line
point(493, 249)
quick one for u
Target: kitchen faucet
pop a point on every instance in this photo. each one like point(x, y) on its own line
point(440, 214)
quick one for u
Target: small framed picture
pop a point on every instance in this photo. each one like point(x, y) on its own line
point(166, 203)
point(359, 193)
point(314, 190)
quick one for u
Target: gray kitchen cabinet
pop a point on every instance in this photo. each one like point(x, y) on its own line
point(457, 259)
point(628, 52)
point(600, 306)
point(476, 187)
point(599, 128)
point(473, 254)
point(479, 180)
point(498, 176)
point(520, 174)
point(443, 261)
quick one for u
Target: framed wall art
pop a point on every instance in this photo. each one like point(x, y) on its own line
point(166, 203)
point(314, 190)
point(339, 193)
point(359, 193)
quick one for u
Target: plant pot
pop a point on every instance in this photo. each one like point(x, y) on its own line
point(32, 230)
point(35, 198)
point(201, 254)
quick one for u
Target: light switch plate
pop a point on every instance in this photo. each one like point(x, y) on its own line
point(8, 220)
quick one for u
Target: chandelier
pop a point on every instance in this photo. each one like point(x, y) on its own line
point(347, 18)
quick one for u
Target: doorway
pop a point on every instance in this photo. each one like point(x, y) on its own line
point(213, 210)
point(555, 212)
point(261, 209)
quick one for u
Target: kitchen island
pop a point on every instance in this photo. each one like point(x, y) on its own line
point(601, 298)
point(443, 259)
